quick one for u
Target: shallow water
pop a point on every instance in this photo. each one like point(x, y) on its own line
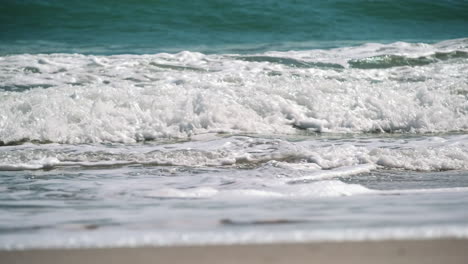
point(235, 189)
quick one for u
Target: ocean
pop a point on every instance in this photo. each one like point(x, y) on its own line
point(142, 123)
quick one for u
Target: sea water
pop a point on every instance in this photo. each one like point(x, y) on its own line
point(129, 123)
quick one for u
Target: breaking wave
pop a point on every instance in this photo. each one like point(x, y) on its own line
point(72, 98)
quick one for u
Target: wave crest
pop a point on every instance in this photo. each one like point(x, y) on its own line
point(400, 87)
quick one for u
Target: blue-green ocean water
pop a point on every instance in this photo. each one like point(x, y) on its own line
point(214, 26)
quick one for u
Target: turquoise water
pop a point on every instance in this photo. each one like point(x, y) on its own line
point(131, 123)
point(215, 26)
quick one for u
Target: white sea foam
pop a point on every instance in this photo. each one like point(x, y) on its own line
point(72, 98)
point(339, 172)
point(314, 159)
point(328, 188)
point(106, 239)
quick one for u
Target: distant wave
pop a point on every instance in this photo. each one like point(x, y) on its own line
point(213, 26)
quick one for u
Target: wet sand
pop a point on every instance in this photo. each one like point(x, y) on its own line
point(404, 251)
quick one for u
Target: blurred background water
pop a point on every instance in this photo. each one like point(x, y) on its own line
point(217, 26)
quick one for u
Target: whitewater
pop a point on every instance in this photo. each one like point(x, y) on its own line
point(72, 98)
point(353, 143)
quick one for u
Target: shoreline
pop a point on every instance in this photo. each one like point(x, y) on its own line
point(387, 251)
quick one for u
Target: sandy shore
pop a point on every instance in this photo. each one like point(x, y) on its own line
point(426, 251)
